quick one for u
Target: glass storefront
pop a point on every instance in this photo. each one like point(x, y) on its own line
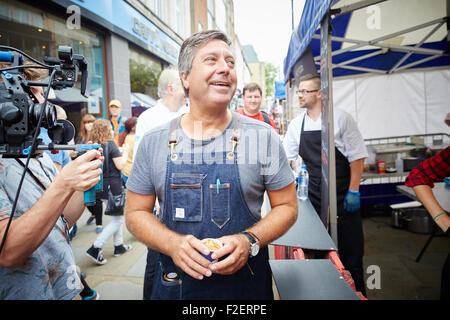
point(39, 33)
point(144, 73)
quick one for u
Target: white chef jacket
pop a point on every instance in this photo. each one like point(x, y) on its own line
point(347, 138)
point(152, 118)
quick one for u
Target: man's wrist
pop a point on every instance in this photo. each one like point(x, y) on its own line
point(59, 183)
point(254, 243)
point(247, 240)
point(255, 237)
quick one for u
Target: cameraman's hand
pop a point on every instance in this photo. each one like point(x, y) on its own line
point(82, 173)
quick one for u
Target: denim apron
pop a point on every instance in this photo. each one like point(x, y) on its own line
point(205, 199)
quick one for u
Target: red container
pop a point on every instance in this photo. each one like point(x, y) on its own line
point(381, 165)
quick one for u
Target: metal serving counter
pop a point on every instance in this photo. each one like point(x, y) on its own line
point(309, 279)
point(308, 232)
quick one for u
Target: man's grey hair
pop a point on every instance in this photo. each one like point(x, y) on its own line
point(190, 46)
point(168, 76)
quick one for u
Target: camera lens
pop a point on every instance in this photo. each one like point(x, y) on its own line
point(49, 119)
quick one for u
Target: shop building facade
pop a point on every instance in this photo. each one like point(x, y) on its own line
point(127, 43)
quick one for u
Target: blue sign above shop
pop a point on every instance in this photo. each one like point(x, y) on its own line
point(119, 14)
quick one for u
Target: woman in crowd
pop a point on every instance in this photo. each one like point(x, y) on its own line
point(127, 138)
point(85, 127)
point(87, 122)
point(112, 181)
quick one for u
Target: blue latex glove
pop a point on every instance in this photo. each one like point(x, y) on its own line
point(447, 181)
point(352, 201)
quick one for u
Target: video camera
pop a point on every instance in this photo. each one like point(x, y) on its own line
point(21, 114)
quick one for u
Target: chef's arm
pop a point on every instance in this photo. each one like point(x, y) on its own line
point(356, 170)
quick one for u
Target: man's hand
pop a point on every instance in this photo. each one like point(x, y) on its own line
point(82, 173)
point(352, 201)
point(238, 248)
point(185, 253)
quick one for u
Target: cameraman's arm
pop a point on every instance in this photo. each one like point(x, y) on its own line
point(74, 208)
point(28, 231)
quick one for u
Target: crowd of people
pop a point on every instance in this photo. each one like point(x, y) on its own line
point(191, 169)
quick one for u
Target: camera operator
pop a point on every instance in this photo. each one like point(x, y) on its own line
point(36, 261)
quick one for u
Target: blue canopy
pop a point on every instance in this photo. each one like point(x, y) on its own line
point(280, 90)
point(385, 37)
point(142, 100)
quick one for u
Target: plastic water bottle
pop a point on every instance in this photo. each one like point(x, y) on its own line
point(399, 163)
point(302, 183)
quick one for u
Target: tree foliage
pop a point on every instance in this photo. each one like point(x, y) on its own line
point(270, 73)
point(144, 79)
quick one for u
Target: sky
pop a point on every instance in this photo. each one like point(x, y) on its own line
point(267, 25)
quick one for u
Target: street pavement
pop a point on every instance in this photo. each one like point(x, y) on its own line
point(121, 278)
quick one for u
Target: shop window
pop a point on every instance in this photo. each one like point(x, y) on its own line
point(144, 74)
point(4, 11)
point(21, 16)
point(39, 34)
point(37, 21)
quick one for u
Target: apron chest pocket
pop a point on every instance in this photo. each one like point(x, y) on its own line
point(220, 203)
point(187, 197)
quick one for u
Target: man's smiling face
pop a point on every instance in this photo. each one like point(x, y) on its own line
point(212, 79)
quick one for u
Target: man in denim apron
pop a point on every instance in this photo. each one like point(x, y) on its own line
point(209, 169)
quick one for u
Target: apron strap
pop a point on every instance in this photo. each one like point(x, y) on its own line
point(301, 131)
point(173, 138)
point(235, 134)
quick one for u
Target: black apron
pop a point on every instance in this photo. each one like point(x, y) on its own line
point(349, 225)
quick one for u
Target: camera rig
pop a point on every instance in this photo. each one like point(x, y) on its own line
point(22, 114)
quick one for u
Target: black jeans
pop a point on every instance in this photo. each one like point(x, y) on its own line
point(97, 211)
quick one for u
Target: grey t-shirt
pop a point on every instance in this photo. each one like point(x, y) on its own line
point(50, 272)
point(261, 159)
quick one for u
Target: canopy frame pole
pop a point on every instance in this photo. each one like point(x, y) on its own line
point(417, 62)
point(375, 42)
point(406, 56)
point(354, 6)
point(360, 69)
point(328, 156)
point(369, 55)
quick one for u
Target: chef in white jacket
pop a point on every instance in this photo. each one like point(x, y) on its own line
point(303, 139)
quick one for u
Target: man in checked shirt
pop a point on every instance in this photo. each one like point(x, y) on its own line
point(421, 179)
